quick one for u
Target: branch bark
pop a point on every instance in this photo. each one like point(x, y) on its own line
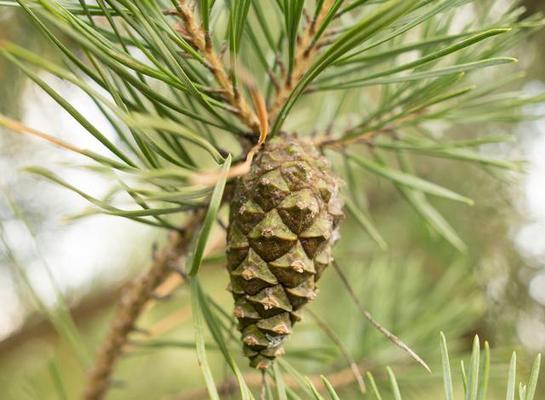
point(132, 304)
point(203, 43)
point(306, 50)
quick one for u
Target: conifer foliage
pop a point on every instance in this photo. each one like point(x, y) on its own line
point(270, 108)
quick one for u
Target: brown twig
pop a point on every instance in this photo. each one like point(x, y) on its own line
point(306, 50)
point(389, 335)
point(366, 136)
point(203, 43)
point(131, 305)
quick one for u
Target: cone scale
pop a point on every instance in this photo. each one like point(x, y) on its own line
point(283, 221)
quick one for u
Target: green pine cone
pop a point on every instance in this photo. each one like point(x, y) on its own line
point(283, 222)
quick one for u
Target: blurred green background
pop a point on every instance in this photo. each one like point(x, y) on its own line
point(416, 288)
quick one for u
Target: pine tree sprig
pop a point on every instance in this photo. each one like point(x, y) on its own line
point(182, 108)
point(201, 40)
point(304, 51)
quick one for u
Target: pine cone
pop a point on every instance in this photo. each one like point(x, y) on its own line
point(283, 221)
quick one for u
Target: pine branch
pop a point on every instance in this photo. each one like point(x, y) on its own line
point(202, 41)
point(306, 50)
point(155, 123)
point(132, 304)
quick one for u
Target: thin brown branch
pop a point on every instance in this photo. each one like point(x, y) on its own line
point(203, 43)
point(389, 335)
point(366, 136)
point(304, 55)
point(131, 305)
